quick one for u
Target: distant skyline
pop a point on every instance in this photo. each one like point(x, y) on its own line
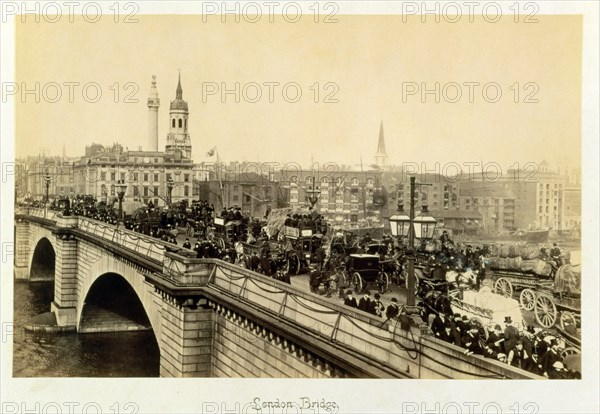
point(369, 58)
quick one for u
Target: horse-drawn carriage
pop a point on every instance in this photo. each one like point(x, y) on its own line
point(301, 246)
point(364, 269)
point(227, 231)
point(147, 220)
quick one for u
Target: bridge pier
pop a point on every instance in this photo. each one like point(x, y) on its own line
point(64, 305)
point(186, 338)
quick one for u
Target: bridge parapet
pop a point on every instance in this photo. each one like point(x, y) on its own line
point(144, 245)
point(372, 347)
point(37, 212)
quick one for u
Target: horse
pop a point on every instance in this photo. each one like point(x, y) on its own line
point(464, 280)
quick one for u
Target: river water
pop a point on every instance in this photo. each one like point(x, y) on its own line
point(126, 354)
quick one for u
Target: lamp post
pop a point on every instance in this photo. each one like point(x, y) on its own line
point(421, 227)
point(121, 189)
point(170, 185)
point(47, 180)
point(312, 194)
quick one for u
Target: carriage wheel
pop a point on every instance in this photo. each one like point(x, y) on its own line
point(545, 311)
point(527, 299)
point(293, 265)
point(570, 351)
point(357, 282)
point(503, 287)
point(567, 318)
point(383, 282)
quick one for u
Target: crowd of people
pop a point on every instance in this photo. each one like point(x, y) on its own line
point(373, 305)
point(313, 221)
point(532, 349)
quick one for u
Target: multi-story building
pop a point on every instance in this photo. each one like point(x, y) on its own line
point(254, 194)
point(522, 199)
point(572, 210)
point(148, 174)
point(31, 174)
point(349, 198)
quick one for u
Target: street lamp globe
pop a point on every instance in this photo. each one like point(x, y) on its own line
point(424, 227)
point(121, 189)
point(400, 225)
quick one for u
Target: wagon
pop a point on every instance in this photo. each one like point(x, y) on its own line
point(561, 303)
point(364, 269)
point(488, 309)
point(226, 231)
point(552, 301)
point(304, 244)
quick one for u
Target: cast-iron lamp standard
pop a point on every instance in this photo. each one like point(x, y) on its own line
point(47, 180)
point(170, 185)
point(313, 193)
point(422, 227)
point(121, 189)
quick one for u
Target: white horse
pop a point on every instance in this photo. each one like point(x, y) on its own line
point(462, 280)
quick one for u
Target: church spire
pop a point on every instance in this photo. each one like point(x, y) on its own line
point(381, 154)
point(179, 91)
point(381, 143)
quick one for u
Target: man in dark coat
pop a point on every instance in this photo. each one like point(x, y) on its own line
point(495, 340)
point(551, 356)
point(364, 304)
point(392, 309)
point(438, 325)
point(511, 335)
point(517, 357)
point(349, 300)
point(377, 306)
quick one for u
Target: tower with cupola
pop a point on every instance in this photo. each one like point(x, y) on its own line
point(178, 138)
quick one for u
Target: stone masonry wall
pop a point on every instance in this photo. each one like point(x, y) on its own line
point(242, 348)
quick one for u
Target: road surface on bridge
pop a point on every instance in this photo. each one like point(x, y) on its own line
point(399, 292)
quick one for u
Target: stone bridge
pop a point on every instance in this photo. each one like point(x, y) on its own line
point(211, 318)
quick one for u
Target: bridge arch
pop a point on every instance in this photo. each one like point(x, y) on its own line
point(43, 261)
point(110, 295)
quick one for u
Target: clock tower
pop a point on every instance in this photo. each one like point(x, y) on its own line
point(178, 138)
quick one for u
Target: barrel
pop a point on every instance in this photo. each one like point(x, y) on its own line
point(514, 250)
point(503, 251)
point(530, 251)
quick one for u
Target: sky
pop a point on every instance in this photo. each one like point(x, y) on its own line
point(370, 64)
